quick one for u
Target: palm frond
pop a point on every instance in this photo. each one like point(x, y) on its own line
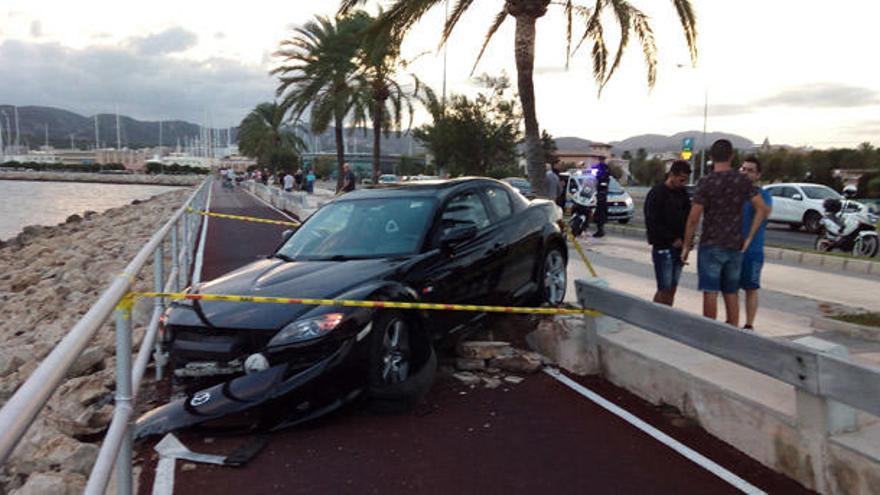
point(568, 7)
point(649, 46)
point(496, 24)
point(623, 12)
point(689, 25)
point(453, 19)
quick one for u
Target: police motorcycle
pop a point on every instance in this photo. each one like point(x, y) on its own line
point(848, 226)
point(581, 191)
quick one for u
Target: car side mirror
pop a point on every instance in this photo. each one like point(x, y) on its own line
point(286, 235)
point(458, 235)
point(797, 197)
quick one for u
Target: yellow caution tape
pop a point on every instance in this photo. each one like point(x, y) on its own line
point(244, 218)
point(366, 304)
point(577, 247)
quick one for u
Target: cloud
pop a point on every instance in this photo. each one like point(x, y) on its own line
point(718, 110)
point(172, 40)
point(96, 79)
point(219, 35)
point(824, 95)
point(36, 29)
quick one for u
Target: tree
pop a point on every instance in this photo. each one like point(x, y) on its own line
point(648, 172)
point(548, 144)
point(402, 15)
point(473, 136)
point(319, 73)
point(264, 135)
point(379, 65)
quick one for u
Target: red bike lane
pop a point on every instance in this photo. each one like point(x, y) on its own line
point(538, 436)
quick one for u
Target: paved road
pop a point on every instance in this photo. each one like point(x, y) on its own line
point(535, 437)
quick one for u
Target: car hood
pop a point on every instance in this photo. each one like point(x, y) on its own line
point(277, 278)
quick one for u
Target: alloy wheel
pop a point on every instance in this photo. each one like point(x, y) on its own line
point(554, 277)
point(395, 352)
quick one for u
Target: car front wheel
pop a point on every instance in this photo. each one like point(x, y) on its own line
point(553, 278)
point(402, 363)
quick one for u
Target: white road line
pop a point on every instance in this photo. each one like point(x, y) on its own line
point(665, 439)
point(163, 484)
point(261, 200)
point(200, 253)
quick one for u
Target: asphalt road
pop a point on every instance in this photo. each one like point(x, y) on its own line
point(535, 437)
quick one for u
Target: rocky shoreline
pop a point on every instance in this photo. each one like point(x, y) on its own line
point(141, 179)
point(49, 277)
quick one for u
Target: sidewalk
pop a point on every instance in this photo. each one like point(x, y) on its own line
point(791, 295)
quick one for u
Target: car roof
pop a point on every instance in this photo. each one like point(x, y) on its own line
point(795, 184)
point(433, 188)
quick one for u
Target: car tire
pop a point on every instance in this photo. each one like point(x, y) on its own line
point(402, 363)
point(812, 221)
point(552, 282)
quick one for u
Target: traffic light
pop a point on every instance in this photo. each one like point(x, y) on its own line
point(687, 148)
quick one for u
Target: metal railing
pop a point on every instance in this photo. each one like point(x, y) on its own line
point(17, 415)
point(817, 373)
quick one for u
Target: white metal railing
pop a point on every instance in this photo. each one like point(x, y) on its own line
point(17, 415)
point(819, 374)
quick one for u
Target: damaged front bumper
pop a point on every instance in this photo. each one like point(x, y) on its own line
point(279, 396)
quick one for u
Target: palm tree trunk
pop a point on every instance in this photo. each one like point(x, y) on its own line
point(524, 50)
point(377, 135)
point(340, 153)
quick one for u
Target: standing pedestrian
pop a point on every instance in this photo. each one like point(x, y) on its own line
point(310, 181)
point(603, 179)
point(753, 258)
point(719, 199)
point(298, 180)
point(288, 182)
point(551, 183)
point(666, 212)
point(348, 183)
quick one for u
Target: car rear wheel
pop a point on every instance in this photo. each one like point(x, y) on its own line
point(553, 277)
point(812, 221)
point(402, 363)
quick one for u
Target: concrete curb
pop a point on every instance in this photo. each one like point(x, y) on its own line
point(839, 263)
point(851, 329)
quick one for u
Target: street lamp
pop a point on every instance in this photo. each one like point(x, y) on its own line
point(705, 117)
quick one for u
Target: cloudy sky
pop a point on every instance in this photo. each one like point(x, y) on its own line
point(797, 72)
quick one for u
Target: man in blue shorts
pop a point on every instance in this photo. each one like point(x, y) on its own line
point(666, 211)
point(719, 199)
point(753, 258)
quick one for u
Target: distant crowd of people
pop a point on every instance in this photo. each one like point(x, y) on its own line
point(730, 256)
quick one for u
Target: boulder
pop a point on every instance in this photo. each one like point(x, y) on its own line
point(91, 359)
point(484, 349)
point(44, 449)
point(73, 219)
point(62, 483)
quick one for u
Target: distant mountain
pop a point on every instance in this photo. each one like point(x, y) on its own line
point(572, 143)
point(658, 143)
point(63, 125)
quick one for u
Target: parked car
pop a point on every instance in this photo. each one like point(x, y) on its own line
point(388, 179)
point(520, 184)
point(800, 204)
point(468, 241)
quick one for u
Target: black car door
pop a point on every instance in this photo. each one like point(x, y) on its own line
point(468, 272)
point(520, 234)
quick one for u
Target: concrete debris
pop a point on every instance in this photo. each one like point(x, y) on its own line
point(484, 349)
point(491, 382)
point(467, 377)
point(469, 364)
point(53, 483)
point(521, 362)
point(513, 379)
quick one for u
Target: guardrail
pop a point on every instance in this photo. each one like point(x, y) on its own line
point(23, 407)
point(817, 373)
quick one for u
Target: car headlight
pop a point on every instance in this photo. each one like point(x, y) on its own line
point(628, 201)
point(310, 328)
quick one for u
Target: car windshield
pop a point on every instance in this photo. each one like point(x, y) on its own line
point(614, 187)
point(359, 229)
point(820, 192)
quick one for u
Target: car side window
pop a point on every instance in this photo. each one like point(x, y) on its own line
point(790, 192)
point(464, 210)
point(776, 192)
point(499, 201)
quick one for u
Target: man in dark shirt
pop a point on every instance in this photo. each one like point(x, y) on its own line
point(349, 179)
point(603, 180)
point(719, 198)
point(666, 211)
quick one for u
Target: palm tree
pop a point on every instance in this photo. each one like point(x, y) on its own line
point(402, 15)
point(265, 134)
point(388, 100)
point(319, 73)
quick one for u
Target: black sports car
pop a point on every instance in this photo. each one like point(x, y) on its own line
point(470, 241)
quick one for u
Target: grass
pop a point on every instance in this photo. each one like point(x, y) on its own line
point(865, 319)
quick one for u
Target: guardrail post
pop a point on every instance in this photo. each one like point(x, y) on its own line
point(175, 260)
point(595, 325)
point(819, 417)
point(158, 304)
point(187, 233)
point(123, 396)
